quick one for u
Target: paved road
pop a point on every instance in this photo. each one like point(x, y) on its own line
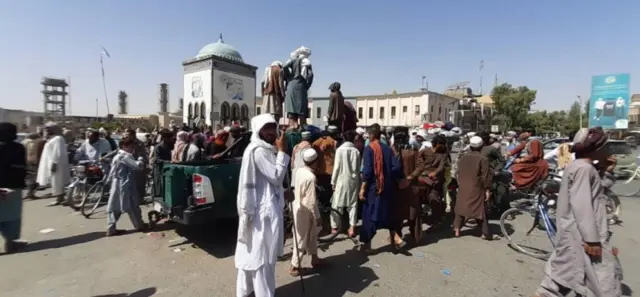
point(76, 260)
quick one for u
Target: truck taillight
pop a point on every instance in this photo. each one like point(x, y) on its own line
point(198, 192)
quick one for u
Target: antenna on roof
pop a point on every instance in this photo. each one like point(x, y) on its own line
point(221, 40)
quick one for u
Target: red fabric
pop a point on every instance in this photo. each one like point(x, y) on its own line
point(378, 164)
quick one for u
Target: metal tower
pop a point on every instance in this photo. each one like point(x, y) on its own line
point(55, 94)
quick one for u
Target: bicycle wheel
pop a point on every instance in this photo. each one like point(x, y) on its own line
point(75, 196)
point(327, 233)
point(624, 188)
point(536, 242)
point(92, 199)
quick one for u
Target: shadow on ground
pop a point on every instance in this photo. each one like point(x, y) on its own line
point(140, 293)
point(218, 240)
point(626, 291)
point(343, 273)
point(61, 242)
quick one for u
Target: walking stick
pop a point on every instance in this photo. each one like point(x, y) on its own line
point(295, 236)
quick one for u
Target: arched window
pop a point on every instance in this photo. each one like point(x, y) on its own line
point(244, 114)
point(190, 111)
point(203, 110)
point(196, 110)
point(225, 113)
point(235, 112)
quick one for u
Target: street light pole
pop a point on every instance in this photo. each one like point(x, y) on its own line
point(580, 100)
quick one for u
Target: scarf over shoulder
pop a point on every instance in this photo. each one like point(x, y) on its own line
point(378, 164)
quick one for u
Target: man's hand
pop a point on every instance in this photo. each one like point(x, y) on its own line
point(487, 195)
point(612, 163)
point(593, 249)
point(281, 142)
point(361, 195)
point(432, 175)
point(54, 168)
point(217, 156)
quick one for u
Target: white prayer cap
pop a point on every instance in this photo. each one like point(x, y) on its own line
point(476, 141)
point(422, 133)
point(309, 155)
point(456, 130)
point(512, 133)
point(227, 129)
point(436, 130)
point(360, 130)
point(365, 135)
point(332, 129)
point(389, 129)
point(305, 135)
point(51, 124)
point(102, 130)
point(471, 134)
point(492, 135)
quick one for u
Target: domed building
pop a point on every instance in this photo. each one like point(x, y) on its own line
point(219, 87)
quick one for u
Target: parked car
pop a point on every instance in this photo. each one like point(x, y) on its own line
point(552, 144)
point(625, 155)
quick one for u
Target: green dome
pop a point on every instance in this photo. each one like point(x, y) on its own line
point(220, 49)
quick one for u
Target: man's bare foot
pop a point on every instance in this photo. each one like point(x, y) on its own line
point(294, 271)
point(351, 233)
point(334, 230)
point(456, 232)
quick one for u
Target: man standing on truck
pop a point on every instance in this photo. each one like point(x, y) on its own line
point(260, 203)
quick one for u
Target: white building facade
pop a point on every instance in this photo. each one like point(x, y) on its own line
point(407, 109)
point(219, 88)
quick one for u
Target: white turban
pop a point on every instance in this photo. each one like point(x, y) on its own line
point(476, 141)
point(471, 134)
point(50, 124)
point(456, 130)
point(276, 63)
point(227, 129)
point(305, 135)
point(512, 133)
point(102, 130)
point(301, 51)
point(360, 130)
point(332, 129)
point(257, 123)
point(309, 155)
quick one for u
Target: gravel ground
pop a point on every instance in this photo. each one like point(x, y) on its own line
point(75, 259)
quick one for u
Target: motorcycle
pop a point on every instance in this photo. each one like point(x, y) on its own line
point(84, 174)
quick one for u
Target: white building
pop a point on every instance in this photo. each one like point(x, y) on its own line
point(219, 88)
point(407, 109)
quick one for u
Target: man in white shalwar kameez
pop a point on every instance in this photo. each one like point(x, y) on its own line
point(54, 163)
point(346, 182)
point(296, 154)
point(260, 209)
point(306, 214)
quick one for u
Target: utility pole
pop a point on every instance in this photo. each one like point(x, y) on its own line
point(480, 67)
point(495, 81)
point(580, 101)
point(96, 107)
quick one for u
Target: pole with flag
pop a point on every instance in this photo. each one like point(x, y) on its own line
point(104, 83)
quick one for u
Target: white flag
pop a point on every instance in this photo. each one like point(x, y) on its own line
point(105, 52)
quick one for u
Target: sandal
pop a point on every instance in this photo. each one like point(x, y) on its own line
point(493, 237)
point(295, 272)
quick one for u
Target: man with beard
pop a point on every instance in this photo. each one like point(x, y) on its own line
point(107, 136)
point(474, 180)
point(345, 180)
point(380, 172)
point(93, 148)
point(139, 152)
point(296, 154)
point(529, 167)
point(336, 106)
point(272, 91)
point(430, 173)
point(54, 164)
point(260, 203)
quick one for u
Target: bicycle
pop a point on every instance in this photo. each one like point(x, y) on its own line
point(95, 196)
point(542, 210)
point(633, 191)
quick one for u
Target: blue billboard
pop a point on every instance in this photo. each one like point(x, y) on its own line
point(609, 102)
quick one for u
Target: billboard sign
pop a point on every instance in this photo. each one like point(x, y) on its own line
point(609, 102)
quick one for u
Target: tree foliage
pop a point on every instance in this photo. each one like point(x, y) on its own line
point(513, 104)
point(513, 111)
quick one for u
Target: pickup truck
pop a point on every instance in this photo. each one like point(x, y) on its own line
point(201, 192)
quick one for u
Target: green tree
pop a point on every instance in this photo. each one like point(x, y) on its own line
point(514, 104)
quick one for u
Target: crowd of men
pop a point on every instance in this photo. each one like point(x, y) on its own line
point(389, 177)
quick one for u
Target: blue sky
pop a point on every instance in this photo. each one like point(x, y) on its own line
point(371, 47)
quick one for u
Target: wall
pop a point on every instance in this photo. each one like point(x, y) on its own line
point(234, 89)
point(322, 103)
point(197, 90)
point(372, 109)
